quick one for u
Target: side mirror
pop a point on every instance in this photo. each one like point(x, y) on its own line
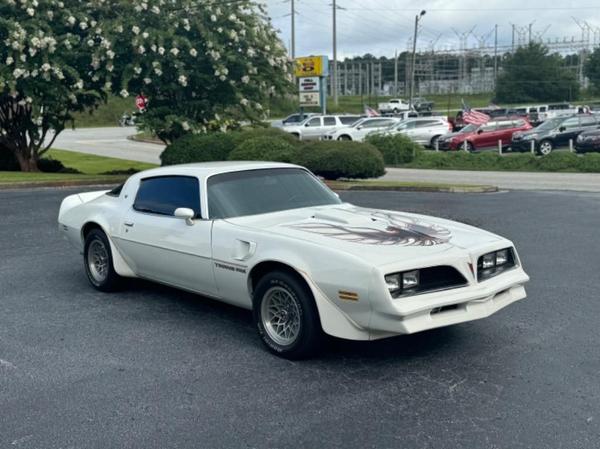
point(185, 214)
point(479, 131)
point(562, 129)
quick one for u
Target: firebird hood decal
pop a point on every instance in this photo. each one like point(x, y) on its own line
point(386, 228)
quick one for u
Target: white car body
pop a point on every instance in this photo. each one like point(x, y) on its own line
point(361, 129)
point(394, 105)
point(314, 128)
point(342, 252)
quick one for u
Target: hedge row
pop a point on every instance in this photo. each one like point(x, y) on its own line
point(558, 161)
point(397, 149)
point(332, 160)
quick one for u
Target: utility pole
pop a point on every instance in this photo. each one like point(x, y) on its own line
point(495, 54)
point(293, 31)
point(414, 58)
point(513, 37)
point(396, 73)
point(334, 84)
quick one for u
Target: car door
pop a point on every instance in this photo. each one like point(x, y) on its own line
point(486, 136)
point(330, 123)
point(312, 128)
point(569, 129)
point(162, 247)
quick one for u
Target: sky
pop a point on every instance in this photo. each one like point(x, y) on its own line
point(381, 27)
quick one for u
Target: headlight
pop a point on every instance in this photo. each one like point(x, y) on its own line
point(530, 136)
point(494, 263)
point(399, 283)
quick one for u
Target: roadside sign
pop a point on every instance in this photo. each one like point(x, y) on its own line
point(141, 102)
point(309, 84)
point(311, 66)
point(310, 99)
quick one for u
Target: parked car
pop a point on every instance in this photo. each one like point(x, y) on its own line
point(395, 105)
point(425, 130)
point(292, 119)
point(421, 104)
point(486, 135)
point(272, 238)
point(588, 141)
point(360, 129)
point(554, 132)
point(314, 128)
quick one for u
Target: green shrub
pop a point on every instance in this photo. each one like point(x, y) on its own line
point(558, 161)
point(396, 149)
point(265, 148)
point(526, 161)
point(251, 133)
point(589, 163)
point(199, 148)
point(8, 161)
point(341, 159)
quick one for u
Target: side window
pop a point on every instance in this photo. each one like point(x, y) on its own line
point(505, 125)
point(163, 194)
point(329, 121)
point(588, 120)
point(542, 109)
point(314, 122)
point(491, 126)
point(348, 119)
point(571, 123)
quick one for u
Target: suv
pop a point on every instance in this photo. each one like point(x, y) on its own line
point(486, 136)
point(292, 119)
point(554, 132)
point(425, 131)
point(359, 130)
point(421, 104)
point(314, 128)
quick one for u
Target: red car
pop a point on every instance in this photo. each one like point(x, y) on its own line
point(485, 136)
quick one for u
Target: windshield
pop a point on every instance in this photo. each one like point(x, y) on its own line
point(262, 191)
point(468, 129)
point(550, 124)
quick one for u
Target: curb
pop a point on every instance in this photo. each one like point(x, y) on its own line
point(443, 189)
point(135, 138)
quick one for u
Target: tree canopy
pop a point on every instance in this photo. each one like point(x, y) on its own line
point(592, 69)
point(202, 64)
point(532, 74)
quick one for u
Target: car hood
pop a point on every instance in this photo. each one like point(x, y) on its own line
point(376, 236)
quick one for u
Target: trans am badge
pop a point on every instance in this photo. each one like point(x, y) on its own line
point(387, 229)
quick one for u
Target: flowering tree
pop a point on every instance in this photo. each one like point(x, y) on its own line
point(50, 53)
point(203, 64)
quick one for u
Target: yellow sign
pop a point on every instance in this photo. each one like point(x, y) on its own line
point(309, 66)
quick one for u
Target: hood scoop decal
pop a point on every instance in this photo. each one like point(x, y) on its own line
point(383, 228)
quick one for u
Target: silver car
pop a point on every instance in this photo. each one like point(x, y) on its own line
point(422, 130)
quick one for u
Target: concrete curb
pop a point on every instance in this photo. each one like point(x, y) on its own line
point(135, 138)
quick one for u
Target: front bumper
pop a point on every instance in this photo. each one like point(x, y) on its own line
point(587, 146)
point(522, 145)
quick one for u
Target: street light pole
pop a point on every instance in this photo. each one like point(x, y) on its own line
point(414, 59)
point(293, 31)
point(334, 68)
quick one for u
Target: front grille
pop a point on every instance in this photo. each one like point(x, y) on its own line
point(433, 279)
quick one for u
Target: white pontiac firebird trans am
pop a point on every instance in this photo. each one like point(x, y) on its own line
point(271, 237)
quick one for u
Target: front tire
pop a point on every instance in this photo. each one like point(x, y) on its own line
point(98, 263)
point(546, 147)
point(344, 137)
point(286, 316)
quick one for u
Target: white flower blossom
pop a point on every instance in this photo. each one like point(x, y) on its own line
point(156, 9)
point(245, 79)
point(213, 18)
point(31, 11)
point(185, 126)
point(182, 80)
point(137, 70)
point(83, 25)
point(174, 51)
point(90, 42)
point(78, 84)
point(193, 52)
point(9, 60)
point(124, 93)
point(244, 102)
point(135, 29)
point(158, 71)
point(161, 50)
point(147, 81)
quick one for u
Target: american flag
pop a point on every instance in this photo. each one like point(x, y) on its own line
point(472, 116)
point(370, 112)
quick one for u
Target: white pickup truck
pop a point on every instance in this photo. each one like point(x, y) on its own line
point(394, 106)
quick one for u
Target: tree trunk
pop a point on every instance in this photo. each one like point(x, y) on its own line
point(27, 164)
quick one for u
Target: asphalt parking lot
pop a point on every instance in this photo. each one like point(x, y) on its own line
point(153, 367)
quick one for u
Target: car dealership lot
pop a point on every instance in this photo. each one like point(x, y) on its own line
point(155, 367)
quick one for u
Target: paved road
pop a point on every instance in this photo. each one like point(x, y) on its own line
point(110, 142)
point(152, 367)
point(113, 142)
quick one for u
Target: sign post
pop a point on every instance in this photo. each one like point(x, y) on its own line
point(311, 72)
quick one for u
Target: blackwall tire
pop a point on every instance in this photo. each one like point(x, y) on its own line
point(98, 262)
point(286, 316)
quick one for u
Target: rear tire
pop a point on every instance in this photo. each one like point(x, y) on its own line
point(434, 139)
point(98, 262)
point(286, 316)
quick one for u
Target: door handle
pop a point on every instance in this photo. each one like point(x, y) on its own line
point(128, 224)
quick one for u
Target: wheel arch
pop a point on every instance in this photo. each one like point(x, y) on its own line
point(121, 267)
point(333, 320)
